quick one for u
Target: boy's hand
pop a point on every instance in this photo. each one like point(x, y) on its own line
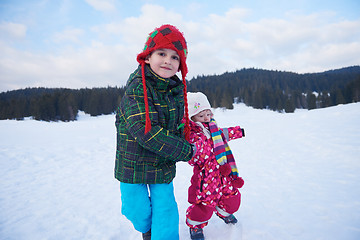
point(194, 149)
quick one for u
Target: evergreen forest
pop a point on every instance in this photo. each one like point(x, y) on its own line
point(280, 91)
point(262, 89)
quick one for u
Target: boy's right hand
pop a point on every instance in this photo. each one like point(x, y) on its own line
point(194, 149)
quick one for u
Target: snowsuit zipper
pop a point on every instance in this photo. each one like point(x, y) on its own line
point(202, 180)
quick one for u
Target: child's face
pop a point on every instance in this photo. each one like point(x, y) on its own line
point(203, 116)
point(164, 62)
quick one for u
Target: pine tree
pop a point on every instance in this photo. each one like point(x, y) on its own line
point(339, 97)
point(311, 101)
point(289, 106)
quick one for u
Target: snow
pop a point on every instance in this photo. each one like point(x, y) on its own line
point(301, 174)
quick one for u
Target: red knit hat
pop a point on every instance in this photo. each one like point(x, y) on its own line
point(169, 37)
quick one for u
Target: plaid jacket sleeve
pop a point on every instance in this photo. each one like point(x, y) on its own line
point(165, 142)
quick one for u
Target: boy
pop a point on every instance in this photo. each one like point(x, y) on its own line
point(150, 137)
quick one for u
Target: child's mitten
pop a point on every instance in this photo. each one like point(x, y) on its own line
point(238, 182)
point(225, 169)
point(243, 132)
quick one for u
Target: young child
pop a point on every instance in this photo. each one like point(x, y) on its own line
point(150, 137)
point(215, 180)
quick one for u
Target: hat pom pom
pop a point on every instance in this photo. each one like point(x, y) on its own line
point(238, 182)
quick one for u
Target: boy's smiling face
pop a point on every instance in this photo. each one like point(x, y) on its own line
point(164, 62)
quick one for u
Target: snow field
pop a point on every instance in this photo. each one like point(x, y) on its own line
point(301, 173)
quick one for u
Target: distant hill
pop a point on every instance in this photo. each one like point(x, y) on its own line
point(263, 89)
point(280, 90)
point(58, 104)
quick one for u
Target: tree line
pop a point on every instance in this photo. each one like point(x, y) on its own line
point(261, 89)
point(280, 91)
point(58, 104)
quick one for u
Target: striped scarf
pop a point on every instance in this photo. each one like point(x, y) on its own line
point(222, 150)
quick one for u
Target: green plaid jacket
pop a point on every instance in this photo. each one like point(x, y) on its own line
point(150, 158)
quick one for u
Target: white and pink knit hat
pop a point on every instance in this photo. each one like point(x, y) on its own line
point(197, 102)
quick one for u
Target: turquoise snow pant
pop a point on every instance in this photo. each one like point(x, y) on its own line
point(151, 206)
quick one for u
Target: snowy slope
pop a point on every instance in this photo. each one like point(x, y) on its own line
point(301, 174)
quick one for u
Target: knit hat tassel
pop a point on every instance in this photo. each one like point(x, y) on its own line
point(187, 121)
point(148, 122)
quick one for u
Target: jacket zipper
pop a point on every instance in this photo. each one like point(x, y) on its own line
point(202, 180)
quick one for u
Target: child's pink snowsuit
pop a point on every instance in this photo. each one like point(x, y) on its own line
point(210, 191)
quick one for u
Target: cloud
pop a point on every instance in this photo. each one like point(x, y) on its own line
point(217, 43)
point(137, 29)
point(133, 31)
point(300, 43)
point(68, 35)
point(12, 30)
point(102, 5)
point(93, 66)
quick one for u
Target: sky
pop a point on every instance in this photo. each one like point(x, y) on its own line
point(93, 43)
